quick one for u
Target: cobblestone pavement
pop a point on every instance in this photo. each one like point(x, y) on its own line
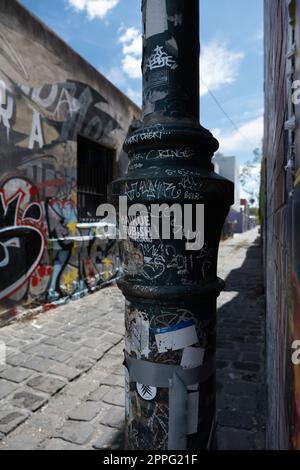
point(241, 399)
point(62, 387)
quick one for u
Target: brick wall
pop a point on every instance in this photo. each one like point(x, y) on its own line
point(281, 129)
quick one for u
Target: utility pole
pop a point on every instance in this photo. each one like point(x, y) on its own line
point(171, 287)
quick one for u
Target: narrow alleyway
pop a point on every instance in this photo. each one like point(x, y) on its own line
point(62, 387)
point(241, 397)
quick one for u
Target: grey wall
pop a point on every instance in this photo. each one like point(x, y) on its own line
point(49, 95)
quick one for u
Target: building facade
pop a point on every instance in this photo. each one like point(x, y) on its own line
point(241, 219)
point(62, 126)
point(228, 167)
point(281, 226)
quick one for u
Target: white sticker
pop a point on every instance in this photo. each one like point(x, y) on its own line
point(156, 18)
point(176, 336)
point(146, 392)
point(193, 412)
point(192, 357)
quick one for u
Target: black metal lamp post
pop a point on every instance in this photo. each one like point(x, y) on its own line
point(171, 287)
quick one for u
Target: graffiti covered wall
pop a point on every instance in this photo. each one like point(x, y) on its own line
point(281, 224)
point(48, 96)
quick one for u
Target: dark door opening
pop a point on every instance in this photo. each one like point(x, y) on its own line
point(94, 173)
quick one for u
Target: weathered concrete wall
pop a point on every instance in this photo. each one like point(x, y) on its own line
point(49, 95)
point(281, 232)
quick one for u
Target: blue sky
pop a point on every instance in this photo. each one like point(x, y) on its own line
point(107, 34)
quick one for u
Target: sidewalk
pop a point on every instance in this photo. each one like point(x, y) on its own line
point(62, 387)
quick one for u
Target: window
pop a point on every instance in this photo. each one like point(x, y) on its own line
point(94, 173)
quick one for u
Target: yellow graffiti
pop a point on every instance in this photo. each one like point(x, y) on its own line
point(70, 278)
point(72, 226)
point(107, 272)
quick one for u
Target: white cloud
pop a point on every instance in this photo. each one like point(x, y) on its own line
point(116, 76)
point(94, 8)
point(131, 39)
point(218, 66)
point(131, 66)
point(248, 138)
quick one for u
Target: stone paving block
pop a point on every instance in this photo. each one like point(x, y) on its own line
point(113, 380)
point(98, 353)
point(112, 416)
point(64, 370)
point(15, 374)
point(51, 332)
point(119, 370)
point(17, 359)
point(110, 438)
point(85, 412)
point(114, 396)
point(236, 419)
point(38, 364)
point(62, 343)
point(241, 389)
point(98, 394)
point(231, 402)
point(16, 343)
point(81, 361)
point(75, 432)
point(112, 363)
point(29, 400)
point(62, 356)
point(10, 419)
point(227, 354)
point(22, 442)
point(251, 366)
point(43, 350)
point(112, 338)
point(251, 357)
point(60, 444)
point(6, 388)
point(47, 384)
point(251, 377)
point(72, 338)
point(92, 342)
point(80, 389)
point(237, 439)
point(118, 349)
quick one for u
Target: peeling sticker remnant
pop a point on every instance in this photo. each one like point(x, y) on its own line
point(138, 339)
point(192, 357)
point(175, 337)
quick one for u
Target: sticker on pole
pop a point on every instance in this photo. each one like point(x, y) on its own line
point(175, 337)
point(146, 391)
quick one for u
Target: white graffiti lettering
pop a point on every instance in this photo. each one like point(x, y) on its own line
point(36, 135)
point(160, 59)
